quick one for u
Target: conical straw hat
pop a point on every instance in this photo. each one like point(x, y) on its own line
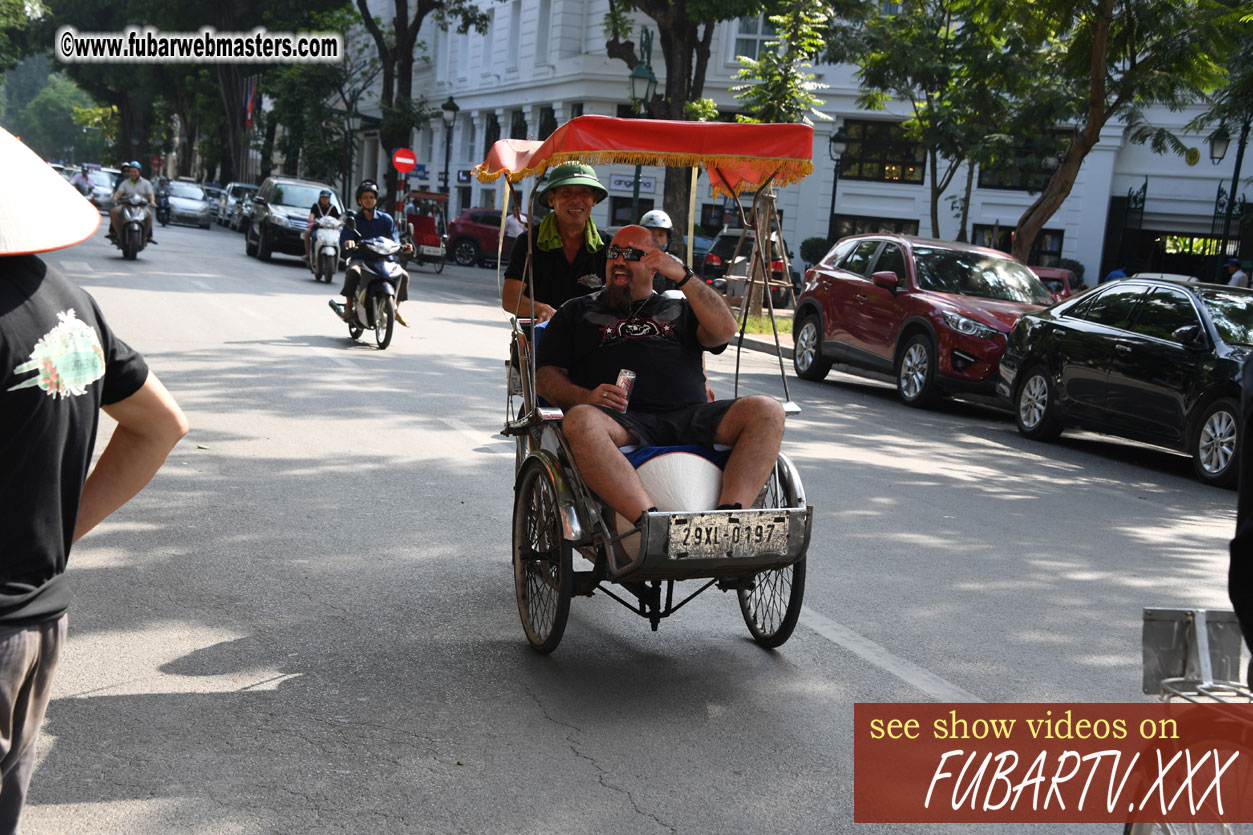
point(39, 210)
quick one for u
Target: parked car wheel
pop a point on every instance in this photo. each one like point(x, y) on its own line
point(915, 372)
point(807, 351)
point(465, 252)
point(264, 249)
point(250, 249)
point(1035, 407)
point(1215, 443)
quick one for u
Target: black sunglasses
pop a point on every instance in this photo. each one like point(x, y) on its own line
point(629, 253)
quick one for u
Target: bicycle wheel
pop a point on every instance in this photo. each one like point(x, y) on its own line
point(772, 605)
point(542, 571)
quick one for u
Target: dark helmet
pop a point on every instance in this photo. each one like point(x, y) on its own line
point(367, 185)
point(326, 192)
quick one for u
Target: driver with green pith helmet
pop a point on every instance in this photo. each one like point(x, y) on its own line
point(569, 256)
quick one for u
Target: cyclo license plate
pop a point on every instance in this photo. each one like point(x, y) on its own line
point(702, 536)
point(432, 250)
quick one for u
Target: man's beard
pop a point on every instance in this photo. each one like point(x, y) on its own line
point(617, 297)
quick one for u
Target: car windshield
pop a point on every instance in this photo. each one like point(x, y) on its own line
point(291, 194)
point(1232, 313)
point(186, 190)
point(100, 178)
point(967, 273)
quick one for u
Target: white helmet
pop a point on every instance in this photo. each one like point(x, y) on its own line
point(656, 219)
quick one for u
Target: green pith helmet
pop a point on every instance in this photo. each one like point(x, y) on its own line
point(573, 174)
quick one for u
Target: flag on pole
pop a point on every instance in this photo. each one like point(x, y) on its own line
point(250, 93)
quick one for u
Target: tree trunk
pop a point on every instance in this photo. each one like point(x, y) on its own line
point(965, 218)
point(935, 192)
point(1063, 179)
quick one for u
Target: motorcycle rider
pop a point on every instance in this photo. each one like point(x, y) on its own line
point(322, 208)
point(371, 223)
point(132, 184)
point(82, 181)
point(658, 223)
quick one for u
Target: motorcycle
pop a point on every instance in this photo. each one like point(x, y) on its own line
point(134, 235)
point(163, 206)
point(375, 299)
point(324, 248)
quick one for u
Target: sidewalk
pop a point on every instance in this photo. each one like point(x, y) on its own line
point(764, 342)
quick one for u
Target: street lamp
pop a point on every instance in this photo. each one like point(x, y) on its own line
point(1217, 150)
point(641, 85)
point(837, 145)
point(448, 110)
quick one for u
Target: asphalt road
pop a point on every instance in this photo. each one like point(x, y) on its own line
point(306, 624)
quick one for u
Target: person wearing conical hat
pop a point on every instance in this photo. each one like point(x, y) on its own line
point(568, 259)
point(60, 365)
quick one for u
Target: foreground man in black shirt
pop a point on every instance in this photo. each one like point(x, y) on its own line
point(60, 364)
point(629, 326)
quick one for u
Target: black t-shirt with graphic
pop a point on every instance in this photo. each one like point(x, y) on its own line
point(59, 362)
point(657, 340)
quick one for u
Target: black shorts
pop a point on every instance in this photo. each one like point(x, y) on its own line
point(696, 424)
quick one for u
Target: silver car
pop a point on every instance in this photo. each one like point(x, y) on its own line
point(190, 205)
point(232, 196)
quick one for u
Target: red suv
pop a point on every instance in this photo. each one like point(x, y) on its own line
point(934, 315)
point(472, 237)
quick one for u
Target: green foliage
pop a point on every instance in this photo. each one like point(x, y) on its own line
point(813, 249)
point(1074, 266)
point(778, 88)
point(701, 110)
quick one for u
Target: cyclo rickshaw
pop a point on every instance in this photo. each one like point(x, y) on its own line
point(758, 552)
point(429, 229)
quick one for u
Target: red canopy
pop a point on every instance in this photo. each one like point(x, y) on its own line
point(737, 156)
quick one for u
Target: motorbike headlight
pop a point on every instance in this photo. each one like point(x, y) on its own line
point(968, 326)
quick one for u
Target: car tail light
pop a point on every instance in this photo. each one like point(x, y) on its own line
point(777, 266)
point(712, 260)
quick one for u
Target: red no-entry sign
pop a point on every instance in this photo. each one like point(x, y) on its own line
point(404, 160)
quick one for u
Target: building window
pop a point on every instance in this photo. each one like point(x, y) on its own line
point(880, 151)
point(1045, 252)
point(846, 225)
point(541, 33)
point(751, 35)
point(547, 122)
point(517, 128)
point(515, 34)
point(576, 109)
point(888, 8)
point(620, 210)
point(1022, 170)
point(491, 133)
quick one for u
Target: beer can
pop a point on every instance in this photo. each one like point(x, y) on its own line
point(626, 382)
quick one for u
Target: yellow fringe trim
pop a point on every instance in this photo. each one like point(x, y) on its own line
point(786, 169)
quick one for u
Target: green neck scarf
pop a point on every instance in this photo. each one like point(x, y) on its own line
point(548, 237)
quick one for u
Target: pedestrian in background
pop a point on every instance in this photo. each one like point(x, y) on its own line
point(1115, 274)
point(60, 365)
point(1238, 277)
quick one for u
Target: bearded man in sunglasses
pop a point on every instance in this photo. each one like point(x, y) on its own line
point(662, 340)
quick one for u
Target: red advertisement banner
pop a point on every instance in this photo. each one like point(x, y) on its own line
point(1080, 763)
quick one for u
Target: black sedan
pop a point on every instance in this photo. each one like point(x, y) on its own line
point(1149, 359)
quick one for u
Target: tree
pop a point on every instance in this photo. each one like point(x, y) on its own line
point(778, 88)
point(397, 44)
point(974, 90)
point(1110, 60)
point(685, 30)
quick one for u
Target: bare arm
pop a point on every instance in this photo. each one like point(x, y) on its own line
point(717, 324)
point(516, 303)
point(150, 423)
point(554, 386)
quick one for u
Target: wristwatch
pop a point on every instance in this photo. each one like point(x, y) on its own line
point(688, 272)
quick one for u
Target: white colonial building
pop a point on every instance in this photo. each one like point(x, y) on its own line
point(543, 62)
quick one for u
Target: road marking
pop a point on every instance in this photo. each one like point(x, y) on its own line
point(479, 436)
point(907, 671)
point(200, 285)
point(77, 266)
